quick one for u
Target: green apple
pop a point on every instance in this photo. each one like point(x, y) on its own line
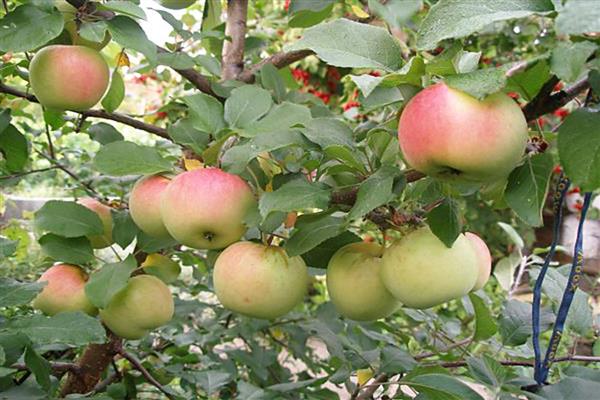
point(421, 272)
point(176, 4)
point(162, 267)
point(104, 212)
point(144, 205)
point(259, 281)
point(484, 259)
point(354, 283)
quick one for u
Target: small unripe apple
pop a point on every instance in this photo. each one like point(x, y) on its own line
point(105, 239)
point(68, 77)
point(354, 283)
point(144, 205)
point(70, 15)
point(176, 4)
point(64, 291)
point(421, 272)
point(259, 281)
point(450, 135)
point(484, 259)
point(162, 267)
point(204, 208)
point(144, 304)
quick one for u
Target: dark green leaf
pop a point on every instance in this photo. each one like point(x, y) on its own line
point(515, 322)
point(290, 386)
point(347, 156)
point(127, 8)
point(338, 133)
point(375, 191)
point(479, 83)
point(296, 195)
point(104, 133)
point(68, 219)
point(184, 132)
point(311, 230)
point(320, 255)
point(485, 325)
point(246, 104)
point(177, 60)
point(8, 247)
point(93, 31)
point(14, 293)
point(124, 229)
point(395, 360)
point(130, 35)
point(206, 112)
point(444, 221)
point(116, 92)
point(571, 388)
point(442, 387)
point(76, 250)
point(18, 33)
point(39, 366)
point(272, 80)
point(149, 244)
point(282, 116)
point(106, 282)
point(487, 370)
point(211, 381)
point(305, 13)
point(127, 158)
point(14, 148)
point(569, 59)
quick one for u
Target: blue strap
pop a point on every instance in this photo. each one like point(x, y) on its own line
point(559, 196)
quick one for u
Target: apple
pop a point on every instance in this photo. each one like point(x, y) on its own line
point(421, 272)
point(144, 205)
point(64, 291)
point(484, 259)
point(162, 267)
point(70, 17)
point(354, 283)
point(68, 77)
point(144, 304)
point(259, 281)
point(448, 134)
point(176, 4)
point(204, 208)
point(104, 240)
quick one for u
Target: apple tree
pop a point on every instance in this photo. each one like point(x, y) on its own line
point(299, 199)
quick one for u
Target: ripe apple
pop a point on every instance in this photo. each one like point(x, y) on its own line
point(450, 135)
point(104, 240)
point(68, 77)
point(204, 208)
point(144, 304)
point(144, 205)
point(484, 259)
point(64, 291)
point(421, 272)
point(354, 283)
point(162, 267)
point(259, 281)
point(70, 15)
point(176, 4)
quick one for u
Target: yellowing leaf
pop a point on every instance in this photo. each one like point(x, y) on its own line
point(364, 375)
point(359, 12)
point(277, 333)
point(123, 60)
point(191, 164)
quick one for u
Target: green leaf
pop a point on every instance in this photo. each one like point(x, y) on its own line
point(298, 194)
point(345, 43)
point(479, 83)
point(76, 250)
point(312, 230)
point(578, 17)
point(39, 366)
point(579, 148)
point(346, 156)
point(305, 13)
point(375, 191)
point(512, 234)
point(441, 387)
point(487, 370)
point(485, 325)
point(68, 219)
point(206, 112)
point(184, 132)
point(246, 104)
point(338, 133)
point(515, 323)
point(211, 381)
point(319, 256)
point(272, 80)
point(177, 60)
point(18, 33)
point(104, 133)
point(93, 31)
point(458, 18)
point(8, 247)
point(124, 229)
point(366, 83)
point(14, 293)
point(149, 244)
point(293, 386)
point(395, 12)
point(282, 116)
point(444, 221)
point(571, 388)
point(127, 158)
point(72, 328)
point(127, 8)
point(395, 360)
point(130, 35)
point(569, 59)
point(529, 82)
point(14, 149)
point(106, 282)
point(116, 92)
point(411, 74)
point(528, 187)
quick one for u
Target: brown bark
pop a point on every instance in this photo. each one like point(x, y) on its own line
point(233, 49)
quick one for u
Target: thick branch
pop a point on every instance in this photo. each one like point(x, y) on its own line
point(545, 102)
point(279, 60)
point(200, 81)
point(235, 29)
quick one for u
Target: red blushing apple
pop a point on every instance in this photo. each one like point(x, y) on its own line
point(484, 259)
point(144, 205)
point(104, 240)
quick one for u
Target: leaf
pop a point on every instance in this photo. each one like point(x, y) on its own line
point(124, 229)
point(39, 366)
point(375, 191)
point(18, 34)
point(76, 250)
point(149, 244)
point(8, 247)
point(312, 230)
point(248, 391)
point(282, 116)
point(479, 83)
point(127, 158)
point(116, 92)
point(104, 133)
point(512, 234)
point(93, 31)
point(579, 148)
point(395, 12)
point(15, 293)
point(528, 187)
point(127, 8)
point(345, 43)
point(206, 112)
point(346, 156)
point(106, 282)
point(441, 387)
point(68, 219)
point(515, 323)
point(569, 59)
point(292, 386)
point(395, 360)
point(571, 388)
point(296, 195)
point(485, 325)
point(529, 82)
point(444, 221)
point(411, 73)
point(184, 132)
point(272, 80)
point(504, 270)
point(338, 133)
point(130, 35)
point(366, 83)
point(13, 148)
point(177, 60)
point(458, 18)
point(487, 370)
point(305, 13)
point(319, 256)
point(578, 17)
point(211, 381)
point(246, 104)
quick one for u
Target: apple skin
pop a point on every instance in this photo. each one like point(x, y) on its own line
point(68, 77)
point(144, 205)
point(484, 259)
point(204, 208)
point(259, 281)
point(65, 291)
point(452, 136)
point(162, 267)
point(176, 4)
point(144, 304)
point(70, 15)
point(421, 272)
point(354, 283)
point(104, 240)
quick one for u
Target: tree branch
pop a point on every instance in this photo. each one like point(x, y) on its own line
point(58, 368)
point(235, 28)
point(278, 60)
point(545, 102)
point(137, 365)
point(200, 81)
point(370, 389)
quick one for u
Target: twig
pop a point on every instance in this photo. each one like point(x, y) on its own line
point(370, 389)
point(279, 60)
point(114, 377)
point(447, 348)
point(57, 367)
point(27, 173)
point(137, 365)
point(545, 102)
point(50, 145)
point(89, 188)
point(519, 277)
point(235, 28)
